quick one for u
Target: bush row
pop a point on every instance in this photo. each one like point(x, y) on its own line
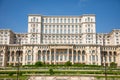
point(51, 71)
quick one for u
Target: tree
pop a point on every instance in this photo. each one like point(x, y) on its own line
point(51, 71)
point(68, 63)
point(113, 64)
point(38, 64)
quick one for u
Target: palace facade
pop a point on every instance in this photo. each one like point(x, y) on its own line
point(58, 39)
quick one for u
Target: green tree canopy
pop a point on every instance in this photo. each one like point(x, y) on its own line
point(51, 71)
point(68, 63)
point(38, 64)
point(113, 64)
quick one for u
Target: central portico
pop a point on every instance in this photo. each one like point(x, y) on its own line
point(59, 54)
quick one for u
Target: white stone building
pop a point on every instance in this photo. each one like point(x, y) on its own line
point(58, 39)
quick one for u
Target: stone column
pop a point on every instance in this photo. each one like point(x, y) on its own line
point(77, 56)
point(54, 56)
point(50, 57)
point(42, 55)
point(72, 57)
point(24, 56)
point(3, 61)
point(108, 59)
point(10, 57)
point(99, 56)
point(46, 56)
point(67, 54)
point(81, 57)
point(15, 56)
point(95, 59)
point(85, 56)
point(112, 57)
point(35, 55)
point(14, 61)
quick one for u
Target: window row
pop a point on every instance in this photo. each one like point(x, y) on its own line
point(61, 31)
point(61, 20)
point(62, 42)
point(62, 26)
point(47, 37)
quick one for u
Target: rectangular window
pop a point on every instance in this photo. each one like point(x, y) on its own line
point(64, 20)
point(68, 20)
point(57, 20)
point(60, 30)
point(76, 20)
point(68, 30)
point(61, 20)
point(72, 20)
point(33, 29)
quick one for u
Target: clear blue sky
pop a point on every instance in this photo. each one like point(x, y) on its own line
point(13, 13)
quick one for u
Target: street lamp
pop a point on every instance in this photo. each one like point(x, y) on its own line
point(105, 66)
point(104, 53)
point(18, 55)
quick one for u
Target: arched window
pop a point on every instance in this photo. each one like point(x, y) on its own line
point(29, 55)
point(83, 55)
point(29, 51)
point(44, 52)
point(79, 52)
point(12, 55)
point(39, 55)
point(114, 56)
point(93, 57)
point(93, 51)
point(114, 53)
point(110, 53)
point(48, 55)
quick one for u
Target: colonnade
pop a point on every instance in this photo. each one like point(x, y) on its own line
point(14, 56)
point(29, 55)
point(57, 56)
point(108, 57)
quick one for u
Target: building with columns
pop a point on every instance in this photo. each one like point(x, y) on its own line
point(58, 39)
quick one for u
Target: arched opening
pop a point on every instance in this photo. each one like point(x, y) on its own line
point(29, 55)
point(110, 56)
point(83, 55)
point(12, 55)
point(114, 53)
point(79, 53)
point(44, 53)
point(93, 51)
point(114, 56)
point(74, 55)
point(48, 55)
point(39, 55)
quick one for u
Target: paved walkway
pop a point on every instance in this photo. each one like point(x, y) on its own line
point(60, 78)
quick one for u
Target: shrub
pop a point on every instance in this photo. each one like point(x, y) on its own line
point(68, 63)
point(51, 71)
point(113, 65)
point(10, 74)
point(38, 64)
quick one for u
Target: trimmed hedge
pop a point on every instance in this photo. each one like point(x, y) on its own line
point(10, 73)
